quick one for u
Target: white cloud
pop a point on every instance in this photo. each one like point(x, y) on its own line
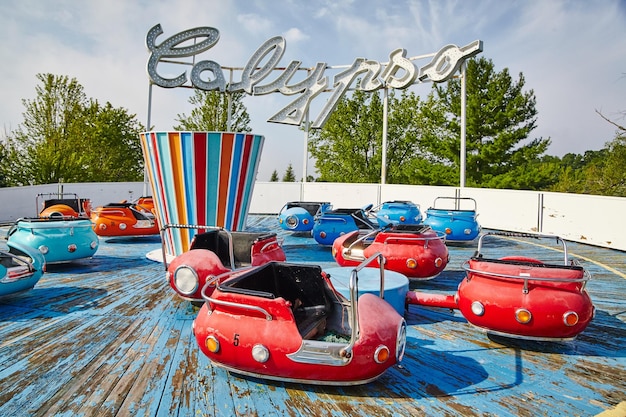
point(571, 53)
point(295, 35)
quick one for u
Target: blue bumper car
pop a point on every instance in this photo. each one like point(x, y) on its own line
point(58, 239)
point(20, 269)
point(454, 216)
point(334, 223)
point(299, 216)
point(398, 212)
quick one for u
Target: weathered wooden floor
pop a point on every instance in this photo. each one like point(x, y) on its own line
point(108, 337)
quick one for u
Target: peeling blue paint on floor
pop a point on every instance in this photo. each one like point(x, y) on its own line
point(107, 336)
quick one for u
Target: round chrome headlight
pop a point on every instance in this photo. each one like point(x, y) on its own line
point(401, 341)
point(260, 353)
point(292, 222)
point(186, 280)
point(478, 308)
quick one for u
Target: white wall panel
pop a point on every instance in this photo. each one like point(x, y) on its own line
point(589, 219)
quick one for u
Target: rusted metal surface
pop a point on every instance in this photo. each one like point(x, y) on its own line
point(108, 337)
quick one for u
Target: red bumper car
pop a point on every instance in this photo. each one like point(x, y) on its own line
point(520, 297)
point(216, 251)
point(416, 251)
point(286, 322)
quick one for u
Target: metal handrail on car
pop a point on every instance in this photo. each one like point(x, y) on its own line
point(346, 352)
point(331, 218)
point(278, 242)
point(261, 310)
point(213, 281)
point(99, 210)
point(359, 240)
point(48, 224)
point(457, 201)
point(439, 236)
point(566, 262)
point(20, 261)
point(586, 277)
point(524, 235)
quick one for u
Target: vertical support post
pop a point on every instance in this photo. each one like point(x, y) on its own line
point(230, 105)
point(383, 163)
point(540, 213)
point(463, 125)
point(305, 157)
point(148, 121)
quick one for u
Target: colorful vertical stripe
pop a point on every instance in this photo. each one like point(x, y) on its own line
point(200, 178)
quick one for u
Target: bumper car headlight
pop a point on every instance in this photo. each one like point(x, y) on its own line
point(186, 279)
point(292, 222)
point(401, 341)
point(478, 308)
point(260, 353)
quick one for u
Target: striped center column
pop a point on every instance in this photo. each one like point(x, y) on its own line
point(200, 178)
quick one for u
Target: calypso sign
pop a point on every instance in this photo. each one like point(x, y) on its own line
point(400, 72)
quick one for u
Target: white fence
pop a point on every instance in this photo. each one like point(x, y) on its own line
point(588, 219)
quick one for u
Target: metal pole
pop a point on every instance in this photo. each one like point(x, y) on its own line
point(305, 159)
point(383, 164)
point(148, 121)
point(463, 124)
point(230, 105)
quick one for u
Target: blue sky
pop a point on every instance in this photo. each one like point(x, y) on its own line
point(572, 54)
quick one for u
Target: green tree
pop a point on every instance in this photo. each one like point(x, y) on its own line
point(211, 113)
point(612, 171)
point(117, 132)
point(423, 140)
point(4, 152)
point(289, 175)
point(500, 118)
point(67, 137)
point(349, 147)
point(274, 177)
point(600, 172)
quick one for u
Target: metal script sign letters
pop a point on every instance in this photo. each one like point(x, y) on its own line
point(400, 72)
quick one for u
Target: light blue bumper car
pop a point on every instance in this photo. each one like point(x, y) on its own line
point(21, 268)
point(454, 216)
point(58, 239)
